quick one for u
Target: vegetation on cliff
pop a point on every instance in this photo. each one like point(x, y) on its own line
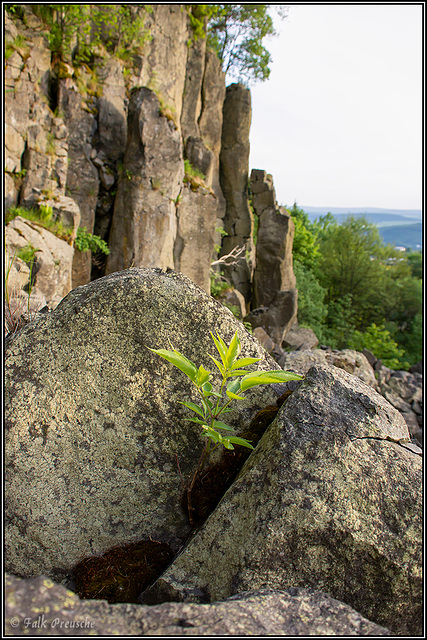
point(236, 32)
point(355, 291)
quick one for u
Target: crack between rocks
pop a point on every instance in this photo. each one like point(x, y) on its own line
point(399, 442)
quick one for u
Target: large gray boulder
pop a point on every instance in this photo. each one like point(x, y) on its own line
point(329, 500)
point(93, 429)
point(38, 606)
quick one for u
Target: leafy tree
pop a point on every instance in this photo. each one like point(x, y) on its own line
point(378, 340)
point(305, 246)
point(312, 310)
point(415, 260)
point(236, 32)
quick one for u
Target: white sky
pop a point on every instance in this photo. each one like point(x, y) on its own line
point(338, 123)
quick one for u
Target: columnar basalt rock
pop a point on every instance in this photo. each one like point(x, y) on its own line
point(234, 175)
point(274, 296)
point(144, 221)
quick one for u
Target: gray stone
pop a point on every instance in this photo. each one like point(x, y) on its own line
point(92, 420)
point(144, 222)
point(196, 216)
point(300, 338)
point(192, 98)
point(38, 606)
point(234, 174)
point(51, 273)
point(278, 317)
point(329, 500)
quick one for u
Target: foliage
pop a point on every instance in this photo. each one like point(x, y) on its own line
point(193, 176)
point(379, 341)
point(86, 241)
point(214, 404)
point(312, 309)
point(218, 284)
point(305, 246)
point(415, 261)
point(236, 32)
point(26, 253)
point(17, 308)
point(43, 216)
point(76, 31)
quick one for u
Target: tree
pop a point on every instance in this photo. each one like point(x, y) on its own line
point(236, 32)
point(305, 246)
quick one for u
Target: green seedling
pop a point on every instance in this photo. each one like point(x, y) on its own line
point(213, 406)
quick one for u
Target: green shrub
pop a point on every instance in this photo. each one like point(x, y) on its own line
point(378, 340)
point(86, 241)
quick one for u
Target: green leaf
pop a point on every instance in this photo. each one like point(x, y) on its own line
point(227, 444)
point(221, 348)
point(267, 377)
point(203, 376)
point(234, 386)
point(196, 420)
point(233, 350)
point(220, 367)
point(237, 372)
point(244, 362)
point(212, 434)
point(221, 425)
point(180, 361)
point(241, 441)
point(206, 388)
point(233, 396)
point(193, 407)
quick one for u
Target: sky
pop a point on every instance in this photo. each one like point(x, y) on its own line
point(339, 121)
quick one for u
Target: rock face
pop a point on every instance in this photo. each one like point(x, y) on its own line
point(144, 221)
point(274, 299)
point(67, 133)
point(46, 605)
point(234, 160)
point(329, 500)
point(92, 420)
point(51, 270)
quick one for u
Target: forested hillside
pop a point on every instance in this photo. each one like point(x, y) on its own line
point(356, 291)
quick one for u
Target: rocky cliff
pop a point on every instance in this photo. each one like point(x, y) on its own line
point(152, 151)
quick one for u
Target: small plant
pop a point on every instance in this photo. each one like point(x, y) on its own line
point(86, 241)
point(214, 404)
point(218, 284)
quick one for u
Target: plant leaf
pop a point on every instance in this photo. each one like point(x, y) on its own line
point(180, 361)
point(267, 377)
point(203, 376)
point(241, 441)
point(233, 396)
point(244, 362)
point(221, 348)
point(193, 407)
point(220, 367)
point(233, 350)
point(221, 425)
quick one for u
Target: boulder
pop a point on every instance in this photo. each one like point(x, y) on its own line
point(329, 500)
point(300, 339)
point(278, 317)
point(38, 606)
point(95, 435)
point(52, 267)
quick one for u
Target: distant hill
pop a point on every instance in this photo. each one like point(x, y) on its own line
point(315, 212)
point(410, 235)
point(401, 227)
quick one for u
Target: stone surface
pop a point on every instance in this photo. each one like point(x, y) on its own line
point(278, 317)
point(300, 338)
point(38, 606)
point(51, 272)
point(82, 175)
point(92, 420)
point(234, 174)
point(329, 500)
point(196, 216)
point(144, 221)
